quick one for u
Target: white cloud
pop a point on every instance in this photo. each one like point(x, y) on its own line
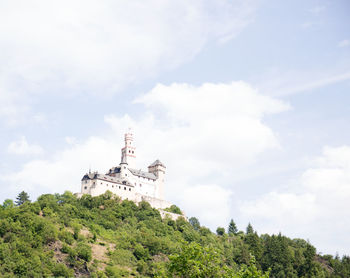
point(316, 207)
point(211, 202)
point(99, 47)
point(344, 43)
point(200, 133)
point(64, 169)
point(292, 82)
point(22, 147)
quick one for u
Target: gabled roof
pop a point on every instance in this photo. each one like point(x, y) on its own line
point(114, 170)
point(93, 176)
point(142, 174)
point(89, 176)
point(157, 162)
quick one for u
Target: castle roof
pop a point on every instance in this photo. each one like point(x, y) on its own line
point(142, 174)
point(157, 162)
point(95, 175)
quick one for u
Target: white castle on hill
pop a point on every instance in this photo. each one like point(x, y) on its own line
point(127, 182)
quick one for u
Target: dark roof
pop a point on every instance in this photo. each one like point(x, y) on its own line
point(157, 162)
point(89, 176)
point(92, 176)
point(143, 174)
point(114, 170)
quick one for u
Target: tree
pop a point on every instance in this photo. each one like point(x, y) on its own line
point(232, 228)
point(194, 223)
point(220, 231)
point(22, 198)
point(8, 203)
point(194, 261)
point(250, 229)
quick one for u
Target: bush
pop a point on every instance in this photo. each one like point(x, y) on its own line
point(60, 270)
point(66, 237)
point(174, 209)
point(84, 251)
point(116, 272)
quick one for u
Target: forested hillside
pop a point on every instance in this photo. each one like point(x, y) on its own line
point(60, 235)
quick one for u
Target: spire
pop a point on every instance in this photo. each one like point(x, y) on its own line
point(129, 151)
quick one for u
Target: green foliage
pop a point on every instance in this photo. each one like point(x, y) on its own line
point(194, 223)
point(55, 235)
point(193, 260)
point(232, 228)
point(196, 261)
point(61, 270)
point(116, 272)
point(220, 231)
point(22, 198)
point(8, 204)
point(174, 209)
point(84, 251)
point(249, 229)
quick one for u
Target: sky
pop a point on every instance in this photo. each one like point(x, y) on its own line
point(246, 102)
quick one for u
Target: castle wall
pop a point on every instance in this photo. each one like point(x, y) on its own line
point(154, 202)
point(143, 186)
point(173, 216)
point(97, 187)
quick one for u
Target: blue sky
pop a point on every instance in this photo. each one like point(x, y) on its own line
point(246, 102)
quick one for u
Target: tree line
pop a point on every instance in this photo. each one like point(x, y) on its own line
point(63, 236)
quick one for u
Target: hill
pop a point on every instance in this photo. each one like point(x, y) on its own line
point(61, 235)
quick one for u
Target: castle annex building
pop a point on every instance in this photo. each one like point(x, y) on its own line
point(127, 182)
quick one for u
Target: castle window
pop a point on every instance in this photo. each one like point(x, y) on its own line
point(113, 186)
point(85, 181)
point(129, 189)
point(85, 187)
point(124, 188)
point(124, 182)
point(119, 186)
point(132, 151)
point(126, 175)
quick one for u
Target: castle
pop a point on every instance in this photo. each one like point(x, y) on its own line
point(127, 182)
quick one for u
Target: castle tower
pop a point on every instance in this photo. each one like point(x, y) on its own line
point(158, 169)
point(129, 151)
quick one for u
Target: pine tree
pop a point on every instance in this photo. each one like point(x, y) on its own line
point(22, 198)
point(232, 228)
point(250, 229)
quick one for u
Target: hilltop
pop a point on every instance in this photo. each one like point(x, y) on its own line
point(103, 236)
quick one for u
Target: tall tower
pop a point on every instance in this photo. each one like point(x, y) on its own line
point(129, 151)
point(158, 169)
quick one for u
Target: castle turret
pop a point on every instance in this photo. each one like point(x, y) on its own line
point(158, 169)
point(129, 151)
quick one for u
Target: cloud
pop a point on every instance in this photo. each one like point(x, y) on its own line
point(22, 147)
point(63, 170)
point(295, 82)
point(201, 133)
point(211, 202)
point(317, 206)
point(99, 47)
point(344, 43)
